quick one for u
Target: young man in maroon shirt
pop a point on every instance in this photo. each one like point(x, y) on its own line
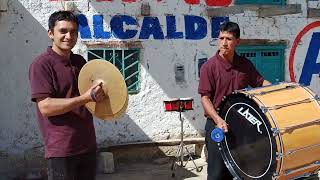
point(220, 76)
point(65, 124)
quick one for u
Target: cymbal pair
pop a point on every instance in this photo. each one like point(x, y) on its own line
point(113, 84)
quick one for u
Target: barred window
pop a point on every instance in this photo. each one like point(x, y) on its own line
point(126, 60)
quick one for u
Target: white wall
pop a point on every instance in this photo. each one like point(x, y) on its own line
point(23, 36)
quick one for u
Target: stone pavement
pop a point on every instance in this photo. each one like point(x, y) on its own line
point(161, 171)
point(156, 170)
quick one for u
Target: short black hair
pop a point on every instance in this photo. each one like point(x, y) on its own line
point(62, 16)
point(231, 27)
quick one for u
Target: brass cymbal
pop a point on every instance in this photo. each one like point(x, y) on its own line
point(113, 84)
point(111, 116)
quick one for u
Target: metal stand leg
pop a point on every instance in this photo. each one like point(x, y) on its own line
point(180, 155)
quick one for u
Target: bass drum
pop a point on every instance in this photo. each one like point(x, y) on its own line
point(274, 132)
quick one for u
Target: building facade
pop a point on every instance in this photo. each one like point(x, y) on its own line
point(159, 46)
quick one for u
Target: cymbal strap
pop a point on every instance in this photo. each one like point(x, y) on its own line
point(93, 95)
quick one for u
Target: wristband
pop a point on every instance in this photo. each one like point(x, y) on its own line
point(93, 96)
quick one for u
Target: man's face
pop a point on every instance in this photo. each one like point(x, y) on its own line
point(64, 35)
point(227, 43)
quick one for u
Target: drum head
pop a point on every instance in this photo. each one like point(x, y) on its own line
point(249, 149)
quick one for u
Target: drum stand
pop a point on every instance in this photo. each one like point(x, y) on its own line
point(179, 154)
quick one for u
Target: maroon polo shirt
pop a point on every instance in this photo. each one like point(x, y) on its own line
point(52, 75)
point(220, 78)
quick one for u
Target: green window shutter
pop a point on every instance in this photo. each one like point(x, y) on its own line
point(126, 60)
point(269, 60)
point(252, 55)
point(271, 65)
point(267, 2)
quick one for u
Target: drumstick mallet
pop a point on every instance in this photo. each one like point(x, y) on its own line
point(217, 135)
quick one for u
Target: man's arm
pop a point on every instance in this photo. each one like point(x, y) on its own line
point(56, 106)
point(212, 113)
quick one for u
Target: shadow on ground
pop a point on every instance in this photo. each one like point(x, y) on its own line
point(156, 171)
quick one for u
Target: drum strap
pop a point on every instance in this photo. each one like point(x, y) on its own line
point(291, 151)
point(292, 171)
point(291, 128)
point(290, 104)
point(275, 90)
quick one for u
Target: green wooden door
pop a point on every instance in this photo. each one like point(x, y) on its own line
point(269, 60)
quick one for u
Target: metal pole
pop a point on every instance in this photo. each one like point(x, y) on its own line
point(181, 134)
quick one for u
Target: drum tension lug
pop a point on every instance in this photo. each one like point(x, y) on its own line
point(275, 176)
point(263, 109)
point(279, 155)
point(317, 97)
point(287, 172)
point(236, 92)
point(275, 131)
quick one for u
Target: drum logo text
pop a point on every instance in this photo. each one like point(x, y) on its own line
point(253, 120)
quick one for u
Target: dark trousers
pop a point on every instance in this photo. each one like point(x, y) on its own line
point(216, 167)
point(77, 167)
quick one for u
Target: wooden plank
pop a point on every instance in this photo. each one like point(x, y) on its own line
point(262, 10)
point(262, 42)
point(313, 12)
point(269, 11)
point(113, 44)
point(3, 5)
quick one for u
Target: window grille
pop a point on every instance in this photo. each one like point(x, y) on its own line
point(126, 60)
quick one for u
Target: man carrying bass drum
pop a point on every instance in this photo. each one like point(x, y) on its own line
point(222, 74)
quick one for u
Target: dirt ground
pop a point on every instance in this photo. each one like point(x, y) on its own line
point(157, 170)
point(161, 171)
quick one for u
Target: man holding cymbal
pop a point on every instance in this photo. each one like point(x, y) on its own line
point(65, 124)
